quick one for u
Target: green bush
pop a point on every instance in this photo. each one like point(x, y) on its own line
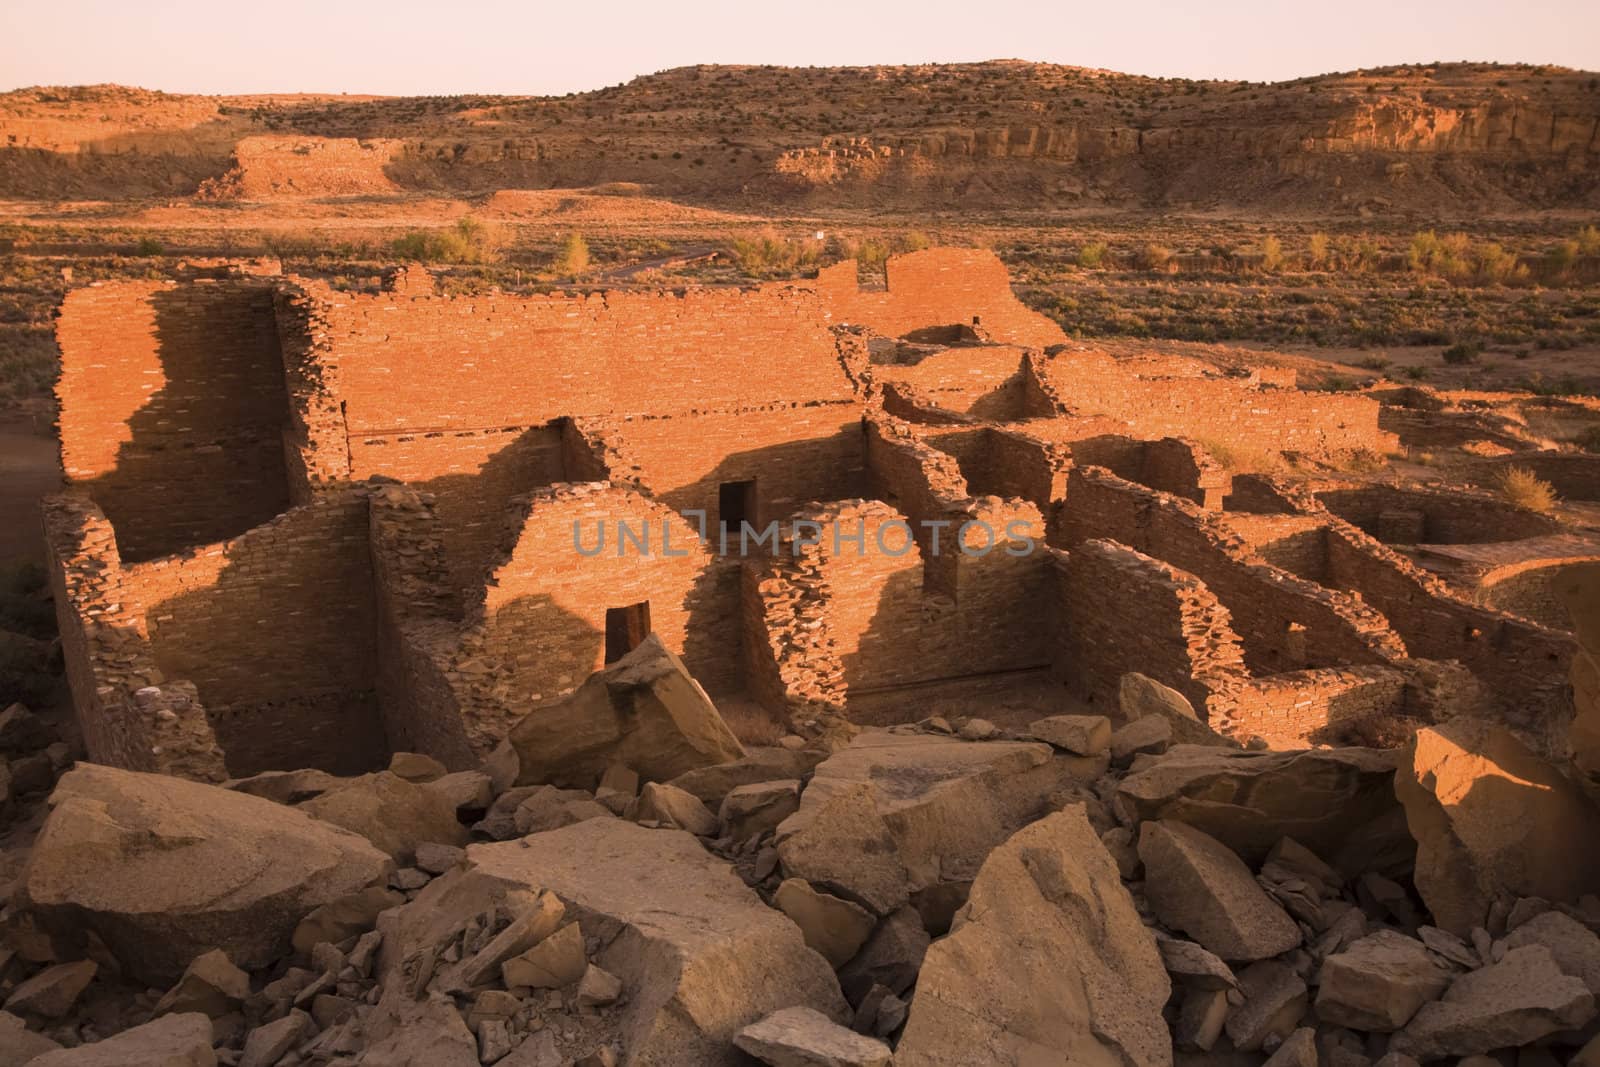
point(468, 241)
point(1461, 352)
point(149, 246)
point(1092, 254)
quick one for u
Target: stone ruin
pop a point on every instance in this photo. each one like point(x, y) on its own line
point(311, 528)
point(1026, 734)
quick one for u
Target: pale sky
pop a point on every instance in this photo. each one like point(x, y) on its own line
point(434, 47)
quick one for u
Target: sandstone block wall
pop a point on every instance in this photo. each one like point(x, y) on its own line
point(173, 408)
point(936, 287)
point(276, 629)
point(1118, 610)
point(1447, 518)
point(984, 381)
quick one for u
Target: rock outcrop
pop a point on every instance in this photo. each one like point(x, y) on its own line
point(1047, 962)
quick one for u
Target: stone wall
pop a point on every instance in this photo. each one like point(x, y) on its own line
point(1184, 398)
point(1286, 623)
point(1440, 518)
point(173, 408)
point(1573, 475)
point(276, 629)
point(936, 287)
point(1118, 610)
point(984, 381)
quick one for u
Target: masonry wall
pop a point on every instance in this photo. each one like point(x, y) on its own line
point(1285, 622)
point(129, 713)
point(1210, 408)
point(1300, 708)
point(418, 362)
point(1532, 590)
point(936, 287)
point(1117, 610)
point(541, 625)
point(1523, 664)
point(1006, 463)
point(173, 409)
point(1447, 518)
point(1573, 475)
point(795, 453)
point(277, 630)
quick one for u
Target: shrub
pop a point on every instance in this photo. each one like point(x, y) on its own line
point(573, 259)
point(1415, 373)
point(1461, 352)
point(1525, 489)
point(1588, 439)
point(149, 246)
point(1154, 257)
point(1092, 254)
point(1317, 250)
point(468, 241)
point(1375, 362)
point(1589, 241)
point(773, 256)
point(1271, 253)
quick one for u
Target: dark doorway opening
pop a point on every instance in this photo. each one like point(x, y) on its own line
point(736, 505)
point(626, 628)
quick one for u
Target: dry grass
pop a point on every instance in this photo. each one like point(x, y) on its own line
point(1525, 489)
point(750, 722)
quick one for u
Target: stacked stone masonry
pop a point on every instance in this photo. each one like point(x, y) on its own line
point(307, 526)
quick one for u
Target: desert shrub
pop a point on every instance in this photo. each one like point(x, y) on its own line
point(1525, 489)
point(915, 241)
point(1375, 362)
point(468, 241)
point(1492, 264)
point(1415, 373)
point(1317, 250)
point(1461, 352)
point(1154, 257)
point(770, 255)
point(573, 259)
point(1271, 253)
point(1589, 241)
point(149, 246)
point(1092, 254)
point(1588, 439)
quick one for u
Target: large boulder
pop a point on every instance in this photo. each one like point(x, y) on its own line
point(1492, 819)
point(1047, 963)
point(1378, 983)
point(644, 711)
point(1339, 802)
point(395, 814)
point(1195, 884)
point(164, 869)
point(699, 955)
point(170, 1041)
point(1515, 1002)
point(1139, 697)
point(945, 802)
point(801, 1037)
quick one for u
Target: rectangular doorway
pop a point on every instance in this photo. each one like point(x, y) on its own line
point(626, 629)
point(736, 505)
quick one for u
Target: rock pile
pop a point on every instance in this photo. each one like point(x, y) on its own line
point(923, 895)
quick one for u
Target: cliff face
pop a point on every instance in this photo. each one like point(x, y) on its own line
point(1450, 137)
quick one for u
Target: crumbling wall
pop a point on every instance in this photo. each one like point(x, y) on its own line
point(984, 381)
point(173, 408)
point(1532, 590)
point(276, 629)
point(1285, 622)
point(129, 712)
point(1169, 465)
point(269, 166)
point(540, 623)
point(1299, 708)
point(1118, 610)
point(1206, 406)
point(1007, 463)
point(1394, 515)
point(936, 287)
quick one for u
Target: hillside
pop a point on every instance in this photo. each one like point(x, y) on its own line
point(999, 135)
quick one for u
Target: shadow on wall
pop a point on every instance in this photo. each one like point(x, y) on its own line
point(280, 640)
point(205, 460)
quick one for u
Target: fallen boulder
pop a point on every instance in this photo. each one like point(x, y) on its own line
point(1048, 962)
point(644, 710)
point(170, 1041)
point(945, 802)
point(834, 927)
point(1196, 885)
point(1515, 1002)
point(164, 869)
point(393, 813)
point(1139, 697)
point(700, 955)
point(1378, 983)
point(844, 847)
point(1492, 819)
point(1338, 802)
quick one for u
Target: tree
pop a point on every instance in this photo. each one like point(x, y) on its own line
point(573, 259)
